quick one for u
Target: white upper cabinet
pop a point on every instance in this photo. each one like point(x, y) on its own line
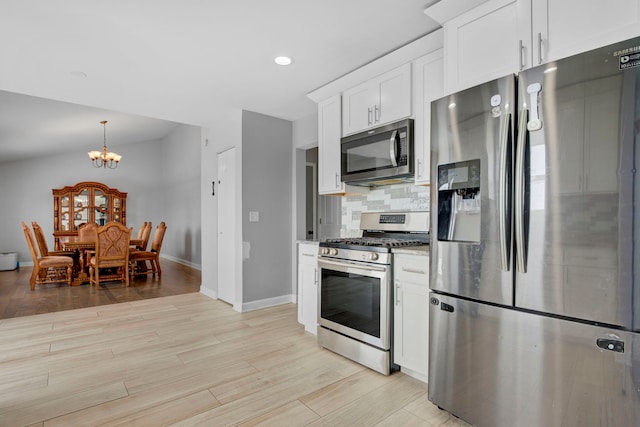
point(378, 101)
point(484, 43)
point(562, 28)
point(428, 72)
point(501, 37)
point(329, 112)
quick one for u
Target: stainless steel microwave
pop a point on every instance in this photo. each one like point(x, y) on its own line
point(380, 156)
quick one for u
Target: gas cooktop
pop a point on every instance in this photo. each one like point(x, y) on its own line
point(375, 241)
point(382, 231)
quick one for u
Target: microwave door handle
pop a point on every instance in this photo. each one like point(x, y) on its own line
point(392, 149)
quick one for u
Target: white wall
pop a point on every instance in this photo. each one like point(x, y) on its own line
point(144, 173)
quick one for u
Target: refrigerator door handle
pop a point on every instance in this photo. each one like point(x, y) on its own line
point(521, 256)
point(505, 222)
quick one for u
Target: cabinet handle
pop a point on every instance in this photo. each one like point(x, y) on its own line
point(539, 48)
point(419, 168)
point(397, 293)
point(315, 276)
point(376, 116)
point(521, 54)
point(411, 270)
point(313, 255)
point(336, 179)
point(369, 117)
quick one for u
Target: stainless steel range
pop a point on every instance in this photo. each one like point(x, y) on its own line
point(355, 293)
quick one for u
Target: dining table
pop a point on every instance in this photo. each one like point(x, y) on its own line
point(81, 247)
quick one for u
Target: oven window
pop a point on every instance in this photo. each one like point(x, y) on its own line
point(351, 300)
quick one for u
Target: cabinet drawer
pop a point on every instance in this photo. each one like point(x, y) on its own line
point(412, 269)
point(307, 253)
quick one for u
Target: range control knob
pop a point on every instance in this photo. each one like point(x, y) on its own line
point(373, 256)
point(333, 251)
point(325, 251)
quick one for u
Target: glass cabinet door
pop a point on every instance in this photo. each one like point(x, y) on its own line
point(116, 209)
point(65, 209)
point(81, 208)
point(101, 207)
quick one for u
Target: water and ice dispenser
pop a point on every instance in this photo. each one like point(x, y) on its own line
point(459, 201)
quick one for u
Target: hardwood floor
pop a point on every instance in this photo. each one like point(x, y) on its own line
point(188, 360)
point(17, 300)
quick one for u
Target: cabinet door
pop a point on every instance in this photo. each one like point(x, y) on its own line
point(381, 100)
point(308, 286)
point(428, 74)
point(411, 314)
point(394, 88)
point(329, 181)
point(411, 328)
point(563, 28)
point(487, 42)
point(359, 108)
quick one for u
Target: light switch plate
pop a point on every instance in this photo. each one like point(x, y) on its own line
point(254, 216)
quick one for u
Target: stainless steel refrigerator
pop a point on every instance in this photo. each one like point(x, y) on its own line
point(535, 300)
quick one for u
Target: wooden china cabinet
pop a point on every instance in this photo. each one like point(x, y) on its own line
point(86, 202)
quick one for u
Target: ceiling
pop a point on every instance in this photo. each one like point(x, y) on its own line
point(146, 65)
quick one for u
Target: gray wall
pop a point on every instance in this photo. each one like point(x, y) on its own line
point(161, 178)
point(266, 188)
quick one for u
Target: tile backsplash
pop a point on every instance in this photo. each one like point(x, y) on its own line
point(402, 197)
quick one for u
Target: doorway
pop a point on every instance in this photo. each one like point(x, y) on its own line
point(311, 196)
point(323, 214)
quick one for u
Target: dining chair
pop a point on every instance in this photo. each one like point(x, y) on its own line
point(47, 269)
point(112, 251)
point(139, 258)
point(42, 243)
point(141, 231)
point(144, 233)
point(87, 232)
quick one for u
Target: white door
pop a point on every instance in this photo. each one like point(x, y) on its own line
point(226, 225)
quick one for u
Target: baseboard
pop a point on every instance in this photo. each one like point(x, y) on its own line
point(269, 302)
point(208, 292)
point(182, 261)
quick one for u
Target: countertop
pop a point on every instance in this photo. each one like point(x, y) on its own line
point(412, 250)
point(308, 242)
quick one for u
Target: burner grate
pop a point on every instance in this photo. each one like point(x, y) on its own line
point(376, 242)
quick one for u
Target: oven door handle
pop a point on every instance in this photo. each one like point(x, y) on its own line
point(357, 265)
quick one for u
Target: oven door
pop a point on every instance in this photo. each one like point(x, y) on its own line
point(354, 299)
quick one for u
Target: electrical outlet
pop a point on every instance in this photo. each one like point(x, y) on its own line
point(254, 216)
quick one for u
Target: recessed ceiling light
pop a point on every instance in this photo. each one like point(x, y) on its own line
point(283, 60)
point(78, 74)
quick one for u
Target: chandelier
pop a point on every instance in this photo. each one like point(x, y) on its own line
point(104, 158)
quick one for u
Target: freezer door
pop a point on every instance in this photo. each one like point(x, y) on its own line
point(575, 176)
point(471, 163)
point(494, 366)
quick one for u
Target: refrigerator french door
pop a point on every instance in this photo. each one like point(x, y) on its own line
point(535, 306)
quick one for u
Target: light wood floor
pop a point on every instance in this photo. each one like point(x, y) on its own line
point(189, 360)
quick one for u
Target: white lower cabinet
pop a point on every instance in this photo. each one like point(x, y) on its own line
point(411, 314)
point(308, 286)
